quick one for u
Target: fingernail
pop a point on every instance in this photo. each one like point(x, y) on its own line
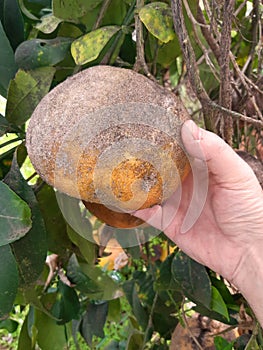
point(190, 128)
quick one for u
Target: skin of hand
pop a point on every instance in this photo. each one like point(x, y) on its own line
point(227, 235)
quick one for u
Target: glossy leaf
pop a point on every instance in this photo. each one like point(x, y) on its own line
point(15, 216)
point(157, 18)
point(66, 306)
point(88, 47)
point(7, 62)
point(25, 92)
point(30, 251)
point(8, 280)
point(218, 304)
point(13, 22)
point(193, 279)
point(49, 334)
point(37, 53)
point(93, 321)
point(74, 9)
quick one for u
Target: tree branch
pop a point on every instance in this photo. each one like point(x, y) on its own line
point(225, 95)
point(190, 61)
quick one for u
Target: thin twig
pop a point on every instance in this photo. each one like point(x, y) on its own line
point(31, 176)
point(207, 34)
point(103, 9)
point(190, 61)
point(140, 57)
point(188, 327)
point(225, 95)
point(241, 6)
point(150, 320)
point(201, 45)
point(191, 17)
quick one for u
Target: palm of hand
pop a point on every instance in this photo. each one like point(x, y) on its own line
point(229, 223)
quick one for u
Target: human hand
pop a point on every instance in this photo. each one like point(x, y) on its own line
point(230, 223)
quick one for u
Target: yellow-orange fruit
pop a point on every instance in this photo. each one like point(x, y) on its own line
point(110, 136)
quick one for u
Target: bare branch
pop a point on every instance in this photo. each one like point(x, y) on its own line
point(208, 35)
point(140, 57)
point(190, 61)
point(225, 96)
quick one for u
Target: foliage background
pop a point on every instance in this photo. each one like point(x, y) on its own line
point(208, 52)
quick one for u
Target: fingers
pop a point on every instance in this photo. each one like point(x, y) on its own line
point(221, 159)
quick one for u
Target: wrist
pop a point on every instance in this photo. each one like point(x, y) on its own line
point(249, 278)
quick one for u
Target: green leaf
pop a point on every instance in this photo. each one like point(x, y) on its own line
point(66, 306)
point(135, 341)
point(167, 53)
point(49, 334)
point(222, 344)
point(88, 47)
point(115, 13)
point(15, 216)
point(49, 23)
point(30, 251)
point(165, 279)
point(157, 18)
point(93, 321)
point(74, 9)
point(193, 279)
point(9, 324)
point(218, 304)
point(32, 296)
point(26, 12)
point(83, 283)
point(25, 92)
point(86, 247)
point(223, 290)
point(13, 22)
point(70, 208)
point(214, 315)
point(3, 125)
point(252, 344)
point(7, 62)
point(24, 340)
point(37, 53)
point(8, 280)
point(56, 228)
point(129, 288)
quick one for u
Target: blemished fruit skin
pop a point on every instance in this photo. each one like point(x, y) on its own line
point(110, 137)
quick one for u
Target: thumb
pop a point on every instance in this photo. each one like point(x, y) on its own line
point(222, 161)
